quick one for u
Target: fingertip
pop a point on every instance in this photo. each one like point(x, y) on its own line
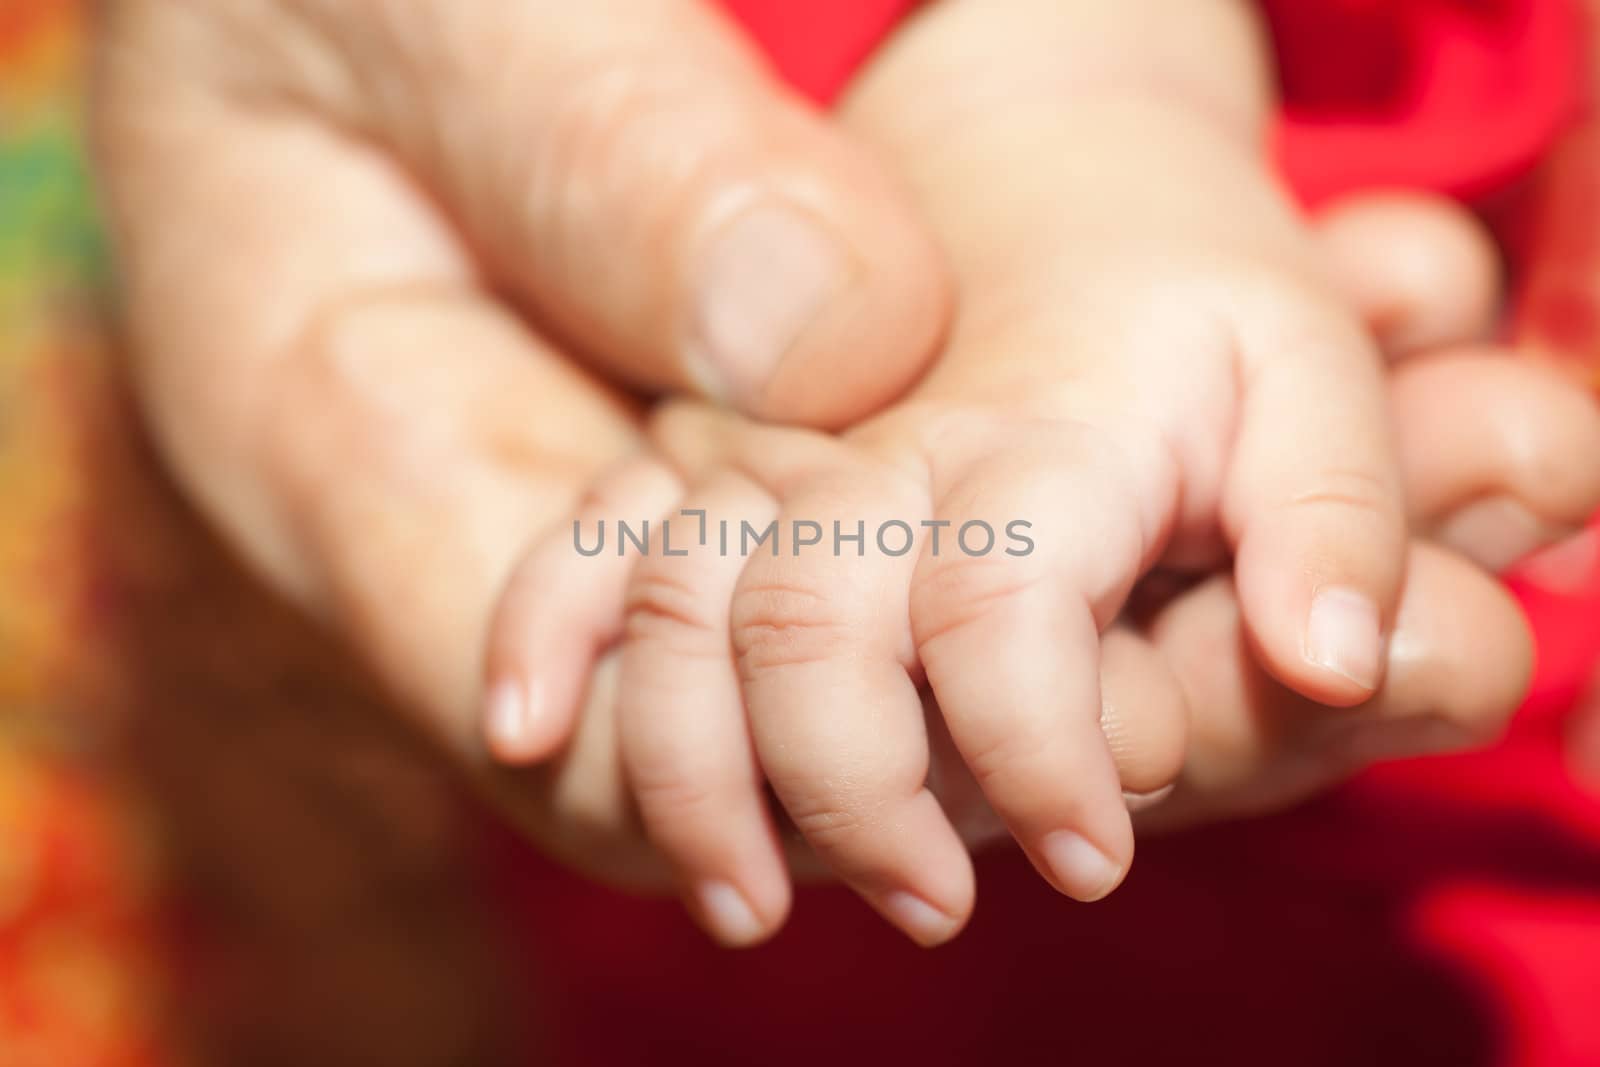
point(507, 724)
point(922, 922)
point(525, 722)
point(929, 889)
point(874, 336)
point(1314, 618)
point(1504, 479)
point(1461, 649)
point(1080, 869)
point(734, 881)
point(1419, 268)
point(1315, 508)
point(765, 278)
point(691, 224)
point(535, 671)
point(1344, 637)
point(559, 606)
point(727, 914)
point(1144, 716)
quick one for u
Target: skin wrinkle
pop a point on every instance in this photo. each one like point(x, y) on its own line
point(660, 604)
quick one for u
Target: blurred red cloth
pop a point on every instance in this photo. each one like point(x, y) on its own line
point(1433, 912)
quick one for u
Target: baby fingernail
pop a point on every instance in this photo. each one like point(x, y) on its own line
point(1343, 635)
point(922, 922)
point(1081, 869)
point(730, 916)
point(508, 719)
point(767, 274)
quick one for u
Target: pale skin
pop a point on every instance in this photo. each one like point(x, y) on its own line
point(377, 258)
point(1198, 730)
point(1153, 371)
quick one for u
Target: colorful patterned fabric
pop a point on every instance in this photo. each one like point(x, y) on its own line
point(81, 977)
point(216, 844)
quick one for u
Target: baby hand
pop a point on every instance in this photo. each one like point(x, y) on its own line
point(1148, 367)
point(1182, 702)
point(1145, 371)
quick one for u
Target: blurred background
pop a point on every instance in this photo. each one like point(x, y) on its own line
point(216, 848)
point(212, 850)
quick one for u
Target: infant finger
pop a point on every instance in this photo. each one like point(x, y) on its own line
point(1144, 718)
point(1041, 546)
point(562, 604)
point(685, 741)
point(575, 806)
point(824, 652)
point(1312, 502)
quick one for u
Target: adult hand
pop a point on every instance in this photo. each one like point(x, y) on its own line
point(374, 255)
point(1457, 665)
point(366, 249)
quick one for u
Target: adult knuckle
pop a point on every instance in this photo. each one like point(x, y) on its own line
point(1150, 756)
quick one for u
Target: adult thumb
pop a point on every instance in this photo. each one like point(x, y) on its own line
point(635, 175)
